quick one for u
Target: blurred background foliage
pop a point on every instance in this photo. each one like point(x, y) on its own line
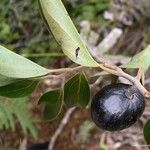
point(88, 10)
point(23, 31)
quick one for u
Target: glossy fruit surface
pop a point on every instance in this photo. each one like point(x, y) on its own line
point(117, 107)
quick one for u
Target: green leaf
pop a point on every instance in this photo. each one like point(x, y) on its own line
point(146, 132)
point(140, 60)
point(77, 91)
point(13, 65)
point(16, 109)
point(65, 33)
point(53, 103)
point(6, 80)
point(18, 89)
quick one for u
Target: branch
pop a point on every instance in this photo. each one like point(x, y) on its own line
point(23, 144)
point(96, 83)
point(139, 74)
point(59, 73)
point(62, 70)
point(60, 128)
point(106, 67)
point(119, 72)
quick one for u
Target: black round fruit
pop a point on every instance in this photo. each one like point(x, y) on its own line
point(117, 106)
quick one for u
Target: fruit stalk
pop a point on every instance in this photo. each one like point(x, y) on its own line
point(119, 72)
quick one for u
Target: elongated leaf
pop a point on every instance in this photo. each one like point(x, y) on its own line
point(18, 89)
point(65, 33)
point(6, 80)
point(15, 66)
point(141, 60)
point(146, 132)
point(53, 104)
point(77, 91)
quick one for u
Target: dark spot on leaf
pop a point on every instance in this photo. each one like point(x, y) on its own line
point(77, 52)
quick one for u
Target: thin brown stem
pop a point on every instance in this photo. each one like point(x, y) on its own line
point(97, 82)
point(139, 74)
point(119, 72)
point(60, 128)
point(61, 70)
point(60, 73)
